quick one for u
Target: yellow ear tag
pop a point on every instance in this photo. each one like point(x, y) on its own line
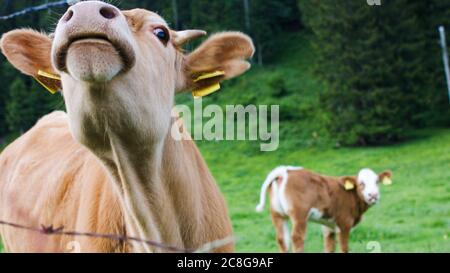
point(206, 91)
point(210, 75)
point(387, 181)
point(209, 89)
point(349, 185)
point(50, 76)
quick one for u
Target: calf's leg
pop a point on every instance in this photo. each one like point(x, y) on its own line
point(329, 237)
point(281, 227)
point(344, 236)
point(299, 223)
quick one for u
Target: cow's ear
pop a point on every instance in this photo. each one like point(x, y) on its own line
point(223, 56)
point(385, 178)
point(349, 183)
point(30, 52)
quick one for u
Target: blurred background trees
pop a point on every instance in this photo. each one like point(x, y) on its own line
point(380, 66)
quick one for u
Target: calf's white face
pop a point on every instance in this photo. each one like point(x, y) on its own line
point(368, 182)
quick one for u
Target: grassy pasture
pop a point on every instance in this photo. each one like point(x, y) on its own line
point(413, 215)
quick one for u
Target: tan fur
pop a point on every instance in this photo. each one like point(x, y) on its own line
point(30, 44)
point(27, 51)
point(306, 190)
point(48, 178)
point(110, 164)
point(226, 52)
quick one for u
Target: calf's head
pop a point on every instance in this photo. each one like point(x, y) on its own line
point(367, 184)
point(120, 70)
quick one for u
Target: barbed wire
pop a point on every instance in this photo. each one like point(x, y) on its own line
point(39, 8)
point(51, 231)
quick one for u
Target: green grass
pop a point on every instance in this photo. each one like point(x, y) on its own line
point(413, 215)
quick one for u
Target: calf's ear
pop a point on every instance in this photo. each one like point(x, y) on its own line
point(349, 183)
point(385, 178)
point(223, 56)
point(30, 52)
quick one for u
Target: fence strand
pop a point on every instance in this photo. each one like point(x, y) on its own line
point(38, 8)
point(50, 230)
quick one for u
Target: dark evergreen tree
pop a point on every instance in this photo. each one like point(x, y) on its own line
point(269, 21)
point(373, 61)
point(19, 112)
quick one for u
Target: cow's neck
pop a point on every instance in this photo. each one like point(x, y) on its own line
point(361, 208)
point(147, 200)
point(133, 155)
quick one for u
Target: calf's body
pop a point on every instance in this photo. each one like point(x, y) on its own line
point(302, 196)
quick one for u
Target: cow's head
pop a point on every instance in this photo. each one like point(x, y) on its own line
point(367, 184)
point(120, 70)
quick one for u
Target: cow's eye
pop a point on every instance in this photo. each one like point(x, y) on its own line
point(162, 34)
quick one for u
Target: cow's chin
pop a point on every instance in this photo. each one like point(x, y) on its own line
point(93, 61)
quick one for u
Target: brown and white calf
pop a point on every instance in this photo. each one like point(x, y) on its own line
point(337, 203)
point(110, 165)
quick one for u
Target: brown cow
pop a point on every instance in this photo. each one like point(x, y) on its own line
point(337, 203)
point(111, 165)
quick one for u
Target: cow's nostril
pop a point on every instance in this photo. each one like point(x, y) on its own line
point(108, 12)
point(68, 16)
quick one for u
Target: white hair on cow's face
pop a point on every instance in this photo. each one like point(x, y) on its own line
point(368, 181)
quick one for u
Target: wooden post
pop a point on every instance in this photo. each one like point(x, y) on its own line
point(445, 57)
point(247, 15)
point(176, 18)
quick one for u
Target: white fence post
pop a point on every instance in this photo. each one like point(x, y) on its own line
point(445, 57)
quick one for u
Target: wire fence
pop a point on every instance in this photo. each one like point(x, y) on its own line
point(52, 231)
point(38, 8)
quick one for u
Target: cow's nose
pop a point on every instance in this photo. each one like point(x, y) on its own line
point(373, 195)
point(68, 16)
point(93, 11)
point(108, 12)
